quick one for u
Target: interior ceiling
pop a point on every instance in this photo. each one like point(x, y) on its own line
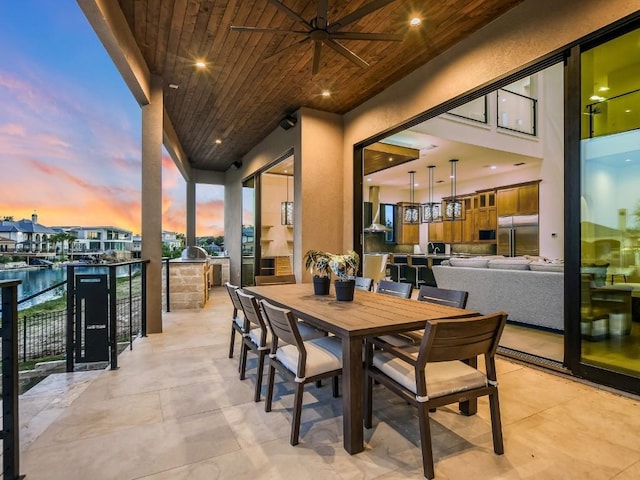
point(473, 161)
point(239, 98)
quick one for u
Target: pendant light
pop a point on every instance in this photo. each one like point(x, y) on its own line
point(453, 209)
point(286, 209)
point(431, 211)
point(411, 213)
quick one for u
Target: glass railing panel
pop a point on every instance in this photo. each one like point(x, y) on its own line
point(475, 110)
point(516, 112)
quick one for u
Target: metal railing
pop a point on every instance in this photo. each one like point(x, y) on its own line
point(10, 418)
point(516, 112)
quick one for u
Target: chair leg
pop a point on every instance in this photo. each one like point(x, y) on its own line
point(259, 372)
point(243, 360)
point(297, 410)
point(368, 386)
point(232, 342)
point(318, 383)
point(335, 387)
point(270, 380)
point(496, 423)
point(425, 441)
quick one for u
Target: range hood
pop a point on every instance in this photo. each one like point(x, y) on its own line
point(374, 198)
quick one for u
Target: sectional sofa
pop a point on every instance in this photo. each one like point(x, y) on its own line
point(531, 293)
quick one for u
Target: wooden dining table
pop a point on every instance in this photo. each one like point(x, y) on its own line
point(368, 315)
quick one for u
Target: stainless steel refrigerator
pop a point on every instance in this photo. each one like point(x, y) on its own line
point(518, 235)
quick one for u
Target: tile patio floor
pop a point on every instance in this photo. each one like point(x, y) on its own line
point(176, 410)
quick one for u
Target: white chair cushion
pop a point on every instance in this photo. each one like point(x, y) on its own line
point(239, 320)
point(323, 355)
point(442, 378)
point(307, 332)
point(254, 336)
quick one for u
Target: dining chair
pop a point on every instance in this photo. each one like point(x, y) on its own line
point(237, 321)
point(261, 280)
point(364, 283)
point(258, 339)
point(397, 289)
point(443, 296)
point(299, 361)
point(439, 374)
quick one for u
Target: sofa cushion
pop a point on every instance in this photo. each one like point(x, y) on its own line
point(475, 262)
point(510, 264)
point(541, 266)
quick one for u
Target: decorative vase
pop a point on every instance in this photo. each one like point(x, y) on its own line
point(321, 285)
point(344, 290)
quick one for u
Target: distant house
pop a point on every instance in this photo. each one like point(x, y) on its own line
point(7, 245)
point(27, 235)
point(99, 240)
point(171, 239)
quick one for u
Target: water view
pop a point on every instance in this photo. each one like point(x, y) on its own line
point(36, 280)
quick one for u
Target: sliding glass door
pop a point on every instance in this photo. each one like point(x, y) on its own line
point(610, 205)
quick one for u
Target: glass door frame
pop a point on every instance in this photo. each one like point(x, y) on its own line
point(257, 205)
point(573, 238)
point(570, 55)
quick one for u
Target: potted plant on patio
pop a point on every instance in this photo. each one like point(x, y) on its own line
point(345, 268)
point(317, 262)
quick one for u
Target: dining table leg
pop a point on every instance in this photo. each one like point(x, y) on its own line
point(352, 393)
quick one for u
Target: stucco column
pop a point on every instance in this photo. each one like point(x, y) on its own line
point(152, 202)
point(191, 213)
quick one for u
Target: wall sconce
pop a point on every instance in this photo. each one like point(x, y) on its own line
point(286, 209)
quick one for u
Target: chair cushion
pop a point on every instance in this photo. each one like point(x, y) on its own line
point(307, 332)
point(254, 336)
point(324, 354)
point(442, 378)
point(239, 320)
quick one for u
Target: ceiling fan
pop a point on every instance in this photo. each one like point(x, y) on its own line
point(319, 31)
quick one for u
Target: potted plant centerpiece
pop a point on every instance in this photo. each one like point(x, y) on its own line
point(345, 268)
point(317, 262)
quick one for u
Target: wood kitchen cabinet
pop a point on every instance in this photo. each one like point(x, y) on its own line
point(518, 200)
point(436, 232)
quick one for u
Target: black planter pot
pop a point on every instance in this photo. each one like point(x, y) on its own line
point(344, 290)
point(321, 285)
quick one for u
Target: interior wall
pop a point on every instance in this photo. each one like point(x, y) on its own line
point(524, 34)
point(275, 236)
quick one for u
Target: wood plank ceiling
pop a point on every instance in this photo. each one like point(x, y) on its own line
point(239, 98)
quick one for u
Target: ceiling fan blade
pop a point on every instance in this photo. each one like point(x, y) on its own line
point(345, 52)
point(383, 37)
point(291, 13)
point(267, 30)
point(358, 14)
point(321, 17)
point(285, 50)
point(316, 57)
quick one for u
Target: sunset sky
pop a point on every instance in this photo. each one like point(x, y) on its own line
point(70, 129)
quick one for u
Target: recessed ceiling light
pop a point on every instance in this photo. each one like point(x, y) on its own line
point(391, 159)
point(218, 141)
point(596, 98)
point(415, 22)
point(174, 86)
point(628, 110)
point(368, 179)
point(493, 167)
point(603, 89)
point(201, 64)
point(326, 93)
